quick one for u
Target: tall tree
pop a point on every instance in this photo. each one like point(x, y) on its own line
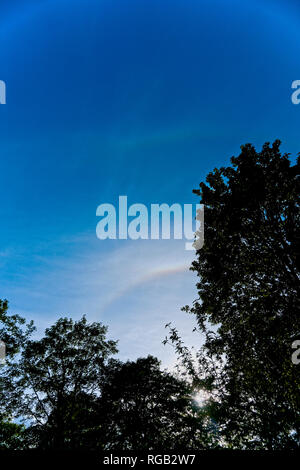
point(144, 408)
point(13, 330)
point(14, 333)
point(55, 374)
point(248, 305)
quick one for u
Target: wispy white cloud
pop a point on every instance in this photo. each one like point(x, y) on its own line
point(135, 287)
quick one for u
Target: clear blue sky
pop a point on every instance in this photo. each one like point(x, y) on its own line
point(136, 98)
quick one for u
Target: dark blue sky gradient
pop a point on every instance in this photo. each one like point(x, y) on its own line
point(132, 97)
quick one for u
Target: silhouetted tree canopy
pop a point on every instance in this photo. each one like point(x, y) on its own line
point(14, 333)
point(248, 305)
point(146, 408)
point(53, 373)
point(71, 394)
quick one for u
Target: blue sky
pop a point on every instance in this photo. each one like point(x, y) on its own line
point(136, 98)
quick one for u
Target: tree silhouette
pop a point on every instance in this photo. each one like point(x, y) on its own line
point(71, 394)
point(248, 306)
point(145, 408)
point(14, 333)
point(54, 373)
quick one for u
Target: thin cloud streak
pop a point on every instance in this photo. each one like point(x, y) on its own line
point(134, 287)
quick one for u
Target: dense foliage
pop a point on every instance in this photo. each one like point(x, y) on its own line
point(71, 394)
point(248, 306)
